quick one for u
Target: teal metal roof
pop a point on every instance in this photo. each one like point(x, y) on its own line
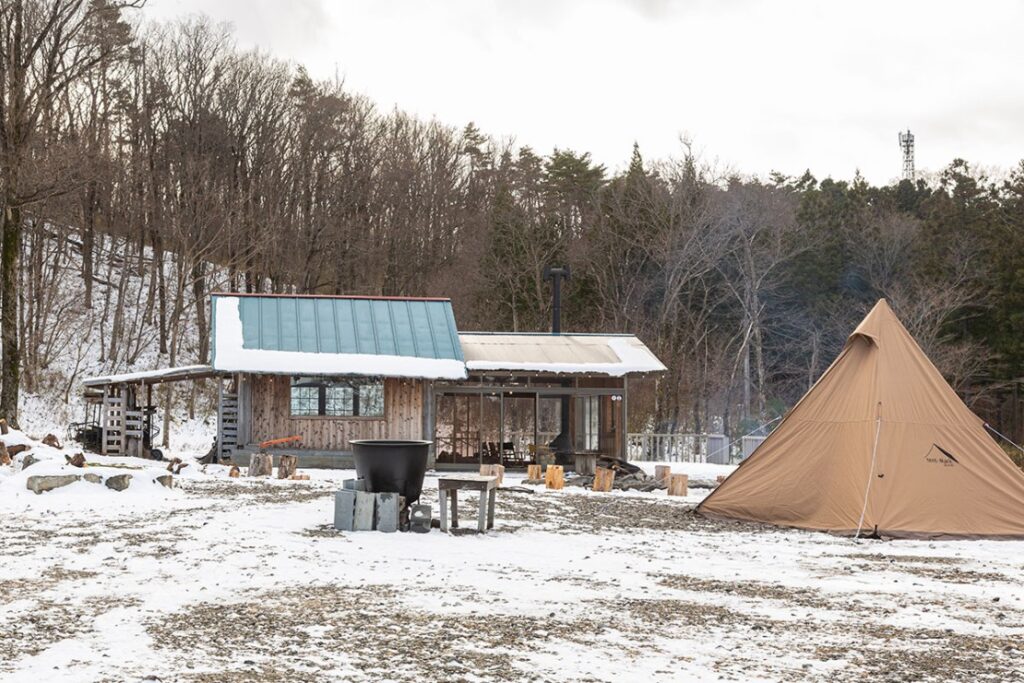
point(416, 328)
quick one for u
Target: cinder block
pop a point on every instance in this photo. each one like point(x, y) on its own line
point(419, 518)
point(344, 510)
point(387, 512)
point(364, 511)
point(354, 484)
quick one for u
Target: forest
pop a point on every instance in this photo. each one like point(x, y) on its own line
point(166, 155)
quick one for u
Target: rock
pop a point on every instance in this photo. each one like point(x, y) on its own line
point(119, 482)
point(41, 483)
point(234, 472)
point(28, 461)
point(76, 460)
point(17, 448)
point(166, 480)
point(92, 478)
point(51, 440)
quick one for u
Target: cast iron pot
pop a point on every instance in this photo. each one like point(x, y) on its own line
point(392, 466)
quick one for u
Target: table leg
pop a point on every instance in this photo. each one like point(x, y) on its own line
point(481, 514)
point(455, 508)
point(442, 495)
point(492, 494)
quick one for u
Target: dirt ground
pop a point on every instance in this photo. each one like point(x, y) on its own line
point(246, 581)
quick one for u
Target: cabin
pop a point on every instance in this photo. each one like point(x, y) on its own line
point(333, 369)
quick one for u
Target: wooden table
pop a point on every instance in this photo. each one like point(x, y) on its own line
point(449, 486)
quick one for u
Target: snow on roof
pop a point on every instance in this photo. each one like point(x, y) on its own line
point(153, 376)
point(413, 338)
point(593, 354)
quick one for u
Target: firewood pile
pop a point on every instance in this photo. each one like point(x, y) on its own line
point(628, 477)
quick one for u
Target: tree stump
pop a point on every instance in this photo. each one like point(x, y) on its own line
point(662, 473)
point(603, 479)
point(554, 477)
point(261, 465)
point(3, 426)
point(493, 471)
point(534, 472)
point(286, 466)
point(677, 485)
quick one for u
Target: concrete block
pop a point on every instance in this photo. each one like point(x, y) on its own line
point(344, 510)
point(354, 484)
point(419, 518)
point(364, 511)
point(387, 512)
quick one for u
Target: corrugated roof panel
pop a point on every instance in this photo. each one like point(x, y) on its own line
point(269, 325)
point(366, 338)
point(249, 309)
point(289, 324)
point(382, 327)
point(443, 340)
point(326, 327)
point(401, 320)
point(345, 326)
point(309, 336)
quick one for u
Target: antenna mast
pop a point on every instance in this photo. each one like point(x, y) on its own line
point(907, 145)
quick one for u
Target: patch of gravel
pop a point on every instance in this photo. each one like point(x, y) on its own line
point(311, 633)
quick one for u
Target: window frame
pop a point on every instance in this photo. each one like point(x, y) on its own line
point(323, 384)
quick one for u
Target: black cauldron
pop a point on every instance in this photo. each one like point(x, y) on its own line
point(392, 466)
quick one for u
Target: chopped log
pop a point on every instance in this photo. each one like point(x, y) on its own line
point(51, 441)
point(554, 477)
point(493, 471)
point(76, 460)
point(662, 473)
point(17, 448)
point(5, 457)
point(3, 426)
point(287, 466)
point(234, 472)
point(299, 477)
point(534, 472)
point(261, 465)
point(677, 485)
point(603, 479)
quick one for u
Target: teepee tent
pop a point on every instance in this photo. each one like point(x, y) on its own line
point(880, 445)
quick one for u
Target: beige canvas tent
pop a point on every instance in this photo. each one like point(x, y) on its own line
point(880, 444)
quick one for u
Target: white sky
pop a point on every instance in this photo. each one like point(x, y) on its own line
point(759, 86)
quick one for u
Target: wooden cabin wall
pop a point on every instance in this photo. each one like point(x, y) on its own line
point(271, 416)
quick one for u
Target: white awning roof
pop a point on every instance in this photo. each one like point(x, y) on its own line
point(590, 354)
point(153, 376)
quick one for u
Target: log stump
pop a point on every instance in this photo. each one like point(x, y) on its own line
point(261, 465)
point(3, 426)
point(585, 464)
point(287, 466)
point(662, 473)
point(5, 457)
point(677, 485)
point(493, 471)
point(534, 472)
point(603, 479)
point(554, 477)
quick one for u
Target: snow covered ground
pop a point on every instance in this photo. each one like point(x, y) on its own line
point(227, 579)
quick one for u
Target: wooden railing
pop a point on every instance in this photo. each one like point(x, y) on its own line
point(668, 447)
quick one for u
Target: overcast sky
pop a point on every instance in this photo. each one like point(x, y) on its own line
point(759, 86)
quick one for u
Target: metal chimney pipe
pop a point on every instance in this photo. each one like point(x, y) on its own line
point(556, 275)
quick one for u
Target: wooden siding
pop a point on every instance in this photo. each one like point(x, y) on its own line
point(270, 417)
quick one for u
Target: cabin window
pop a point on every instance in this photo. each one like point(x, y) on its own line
point(319, 396)
point(588, 422)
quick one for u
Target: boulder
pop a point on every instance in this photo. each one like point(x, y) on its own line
point(119, 482)
point(17, 448)
point(42, 482)
point(92, 478)
point(28, 461)
point(166, 480)
point(52, 441)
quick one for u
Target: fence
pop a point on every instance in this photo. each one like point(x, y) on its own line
point(713, 448)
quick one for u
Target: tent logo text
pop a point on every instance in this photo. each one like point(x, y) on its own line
point(940, 456)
